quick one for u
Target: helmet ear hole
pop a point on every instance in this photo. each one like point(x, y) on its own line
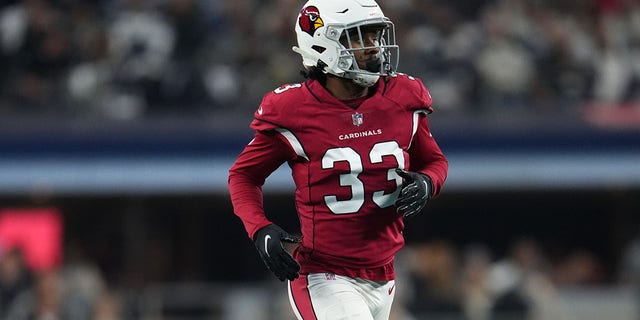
point(319, 49)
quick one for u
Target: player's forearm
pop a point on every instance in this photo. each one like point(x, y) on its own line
point(427, 157)
point(437, 170)
point(247, 175)
point(246, 198)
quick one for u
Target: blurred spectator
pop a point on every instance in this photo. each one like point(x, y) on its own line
point(434, 277)
point(617, 39)
point(107, 307)
point(521, 285)
point(75, 291)
point(477, 299)
point(14, 278)
point(87, 83)
point(37, 48)
point(579, 268)
point(83, 283)
point(506, 68)
point(141, 42)
point(629, 272)
point(182, 85)
point(41, 302)
point(508, 278)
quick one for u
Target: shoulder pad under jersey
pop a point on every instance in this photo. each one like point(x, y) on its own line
point(408, 91)
point(277, 106)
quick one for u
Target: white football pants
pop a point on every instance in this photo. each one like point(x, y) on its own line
point(325, 296)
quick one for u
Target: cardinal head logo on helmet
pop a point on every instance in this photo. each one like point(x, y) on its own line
point(310, 20)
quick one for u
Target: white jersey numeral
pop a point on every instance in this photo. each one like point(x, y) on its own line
point(346, 180)
point(287, 87)
point(350, 179)
point(379, 150)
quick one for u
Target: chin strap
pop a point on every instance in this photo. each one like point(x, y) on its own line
point(364, 80)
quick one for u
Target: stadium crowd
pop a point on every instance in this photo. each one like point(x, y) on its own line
point(129, 59)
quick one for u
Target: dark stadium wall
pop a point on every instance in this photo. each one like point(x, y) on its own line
point(138, 240)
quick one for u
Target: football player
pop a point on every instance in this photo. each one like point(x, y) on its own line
point(356, 137)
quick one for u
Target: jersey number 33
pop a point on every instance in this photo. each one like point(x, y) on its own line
point(352, 180)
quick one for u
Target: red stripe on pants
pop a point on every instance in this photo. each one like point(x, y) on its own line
point(301, 298)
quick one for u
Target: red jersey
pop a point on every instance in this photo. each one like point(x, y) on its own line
point(342, 161)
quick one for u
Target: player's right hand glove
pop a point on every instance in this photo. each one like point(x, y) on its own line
point(269, 242)
point(416, 191)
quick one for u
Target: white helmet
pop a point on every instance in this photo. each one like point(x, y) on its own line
point(321, 24)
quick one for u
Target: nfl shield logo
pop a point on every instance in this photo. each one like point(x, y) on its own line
point(357, 119)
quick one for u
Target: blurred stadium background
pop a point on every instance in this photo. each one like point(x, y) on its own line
point(119, 120)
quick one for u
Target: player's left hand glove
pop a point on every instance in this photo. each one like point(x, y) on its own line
point(269, 241)
point(416, 191)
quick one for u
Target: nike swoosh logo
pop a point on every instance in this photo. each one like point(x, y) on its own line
point(266, 244)
point(260, 110)
point(391, 289)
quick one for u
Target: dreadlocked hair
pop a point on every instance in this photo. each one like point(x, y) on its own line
point(315, 73)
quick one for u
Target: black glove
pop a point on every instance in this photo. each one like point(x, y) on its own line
point(268, 241)
point(416, 191)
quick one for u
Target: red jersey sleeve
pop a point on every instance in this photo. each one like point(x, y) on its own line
point(427, 157)
point(261, 157)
